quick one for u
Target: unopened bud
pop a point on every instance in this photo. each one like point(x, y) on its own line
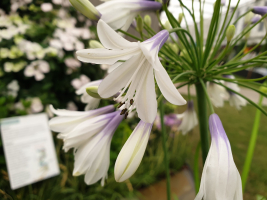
point(86, 8)
point(93, 92)
point(167, 25)
point(180, 18)
point(139, 24)
point(230, 32)
point(174, 47)
point(147, 20)
point(248, 18)
point(95, 44)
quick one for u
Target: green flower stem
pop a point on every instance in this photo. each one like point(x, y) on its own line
point(206, 93)
point(203, 120)
point(196, 172)
point(251, 146)
point(166, 159)
point(130, 35)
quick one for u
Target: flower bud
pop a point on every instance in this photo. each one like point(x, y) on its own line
point(174, 47)
point(248, 18)
point(93, 92)
point(147, 20)
point(230, 32)
point(139, 24)
point(180, 18)
point(95, 44)
point(86, 8)
point(167, 25)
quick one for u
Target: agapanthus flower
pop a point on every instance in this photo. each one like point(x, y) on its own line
point(234, 99)
point(37, 69)
point(92, 103)
point(90, 137)
point(189, 118)
point(118, 14)
point(261, 10)
point(132, 152)
point(220, 178)
point(135, 74)
point(216, 93)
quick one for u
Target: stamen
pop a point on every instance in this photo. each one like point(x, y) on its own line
point(123, 111)
point(131, 101)
point(126, 114)
point(121, 103)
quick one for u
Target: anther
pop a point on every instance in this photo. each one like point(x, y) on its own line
point(126, 114)
point(131, 101)
point(123, 111)
point(121, 103)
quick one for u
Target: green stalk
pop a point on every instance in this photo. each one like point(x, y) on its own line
point(196, 172)
point(166, 159)
point(203, 120)
point(251, 146)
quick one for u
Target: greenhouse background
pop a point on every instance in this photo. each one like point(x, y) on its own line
point(38, 68)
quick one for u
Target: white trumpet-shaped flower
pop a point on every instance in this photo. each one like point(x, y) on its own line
point(92, 103)
point(217, 94)
point(137, 72)
point(118, 14)
point(189, 118)
point(67, 120)
point(220, 178)
point(132, 152)
point(93, 156)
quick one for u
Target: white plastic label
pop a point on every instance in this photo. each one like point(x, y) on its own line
point(29, 149)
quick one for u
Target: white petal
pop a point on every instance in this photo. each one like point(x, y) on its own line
point(118, 79)
point(114, 66)
point(132, 152)
point(166, 86)
point(110, 39)
point(105, 56)
point(146, 103)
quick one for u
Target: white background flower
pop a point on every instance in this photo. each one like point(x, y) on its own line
point(37, 69)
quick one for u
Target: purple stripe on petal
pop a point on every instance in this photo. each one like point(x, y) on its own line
point(102, 110)
point(255, 19)
point(261, 10)
point(216, 128)
point(113, 124)
point(149, 5)
point(159, 39)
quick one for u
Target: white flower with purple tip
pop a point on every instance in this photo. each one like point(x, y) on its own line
point(90, 134)
point(261, 10)
point(137, 72)
point(118, 14)
point(132, 152)
point(220, 178)
point(92, 158)
point(189, 118)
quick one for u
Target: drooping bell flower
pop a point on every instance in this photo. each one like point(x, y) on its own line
point(216, 93)
point(90, 134)
point(137, 72)
point(118, 14)
point(189, 118)
point(92, 158)
point(132, 152)
point(220, 178)
point(234, 99)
